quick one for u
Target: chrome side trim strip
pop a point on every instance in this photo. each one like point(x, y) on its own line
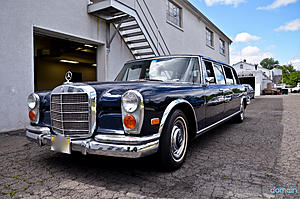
point(215, 124)
point(170, 108)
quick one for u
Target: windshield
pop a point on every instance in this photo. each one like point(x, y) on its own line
point(185, 69)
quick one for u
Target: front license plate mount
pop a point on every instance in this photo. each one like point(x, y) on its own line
point(61, 144)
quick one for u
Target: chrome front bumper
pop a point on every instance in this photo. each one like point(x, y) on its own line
point(107, 145)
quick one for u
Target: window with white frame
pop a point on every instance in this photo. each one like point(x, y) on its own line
point(209, 38)
point(174, 14)
point(222, 46)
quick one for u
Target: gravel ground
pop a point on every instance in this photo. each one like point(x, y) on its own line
point(232, 161)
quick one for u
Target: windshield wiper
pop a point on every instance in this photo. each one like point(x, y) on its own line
point(156, 80)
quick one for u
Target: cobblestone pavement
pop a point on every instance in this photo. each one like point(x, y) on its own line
point(233, 161)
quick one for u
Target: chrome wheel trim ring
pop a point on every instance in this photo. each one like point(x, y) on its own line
point(179, 138)
point(242, 112)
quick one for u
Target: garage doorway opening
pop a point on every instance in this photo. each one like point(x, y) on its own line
point(248, 80)
point(53, 57)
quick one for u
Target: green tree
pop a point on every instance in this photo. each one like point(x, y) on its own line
point(289, 75)
point(269, 63)
point(294, 78)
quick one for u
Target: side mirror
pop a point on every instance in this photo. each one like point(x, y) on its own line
point(210, 80)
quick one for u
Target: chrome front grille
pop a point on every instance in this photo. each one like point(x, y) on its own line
point(70, 113)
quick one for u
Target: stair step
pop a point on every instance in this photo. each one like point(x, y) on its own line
point(132, 34)
point(143, 54)
point(131, 27)
point(115, 14)
point(136, 41)
point(140, 47)
point(128, 19)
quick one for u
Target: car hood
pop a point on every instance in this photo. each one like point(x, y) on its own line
point(109, 93)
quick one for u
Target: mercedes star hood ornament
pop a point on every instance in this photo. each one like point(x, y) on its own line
point(68, 76)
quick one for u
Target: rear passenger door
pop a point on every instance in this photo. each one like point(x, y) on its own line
point(230, 97)
point(215, 83)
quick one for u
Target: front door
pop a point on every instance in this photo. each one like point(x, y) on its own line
point(214, 92)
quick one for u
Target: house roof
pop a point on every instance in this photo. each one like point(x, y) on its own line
point(202, 17)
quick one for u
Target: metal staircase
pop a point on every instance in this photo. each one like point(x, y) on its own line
point(129, 25)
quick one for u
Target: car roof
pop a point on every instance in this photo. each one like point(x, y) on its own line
point(179, 55)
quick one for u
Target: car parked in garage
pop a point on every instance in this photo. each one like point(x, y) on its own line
point(155, 105)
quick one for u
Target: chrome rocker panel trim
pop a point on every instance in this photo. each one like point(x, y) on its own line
point(117, 146)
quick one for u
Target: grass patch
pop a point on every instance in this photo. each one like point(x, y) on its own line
point(26, 187)
point(12, 193)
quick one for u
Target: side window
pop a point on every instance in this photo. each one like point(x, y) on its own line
point(208, 71)
point(229, 75)
point(236, 79)
point(219, 74)
point(194, 74)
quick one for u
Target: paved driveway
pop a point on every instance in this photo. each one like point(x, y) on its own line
point(233, 161)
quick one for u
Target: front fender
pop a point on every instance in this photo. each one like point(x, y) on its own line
point(172, 106)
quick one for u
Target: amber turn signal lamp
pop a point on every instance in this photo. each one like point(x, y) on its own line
point(129, 121)
point(32, 115)
point(154, 121)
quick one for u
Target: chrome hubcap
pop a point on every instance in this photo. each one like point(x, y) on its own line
point(178, 139)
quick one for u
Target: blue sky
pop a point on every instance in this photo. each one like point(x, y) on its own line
point(258, 29)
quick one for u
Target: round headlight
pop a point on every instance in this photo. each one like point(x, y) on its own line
point(32, 101)
point(130, 102)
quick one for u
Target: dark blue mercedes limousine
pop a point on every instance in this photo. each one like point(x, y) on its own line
point(156, 105)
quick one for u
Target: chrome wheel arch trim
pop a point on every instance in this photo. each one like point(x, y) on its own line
point(244, 98)
point(168, 110)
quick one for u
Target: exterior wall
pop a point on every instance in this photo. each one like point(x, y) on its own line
point(17, 22)
point(190, 38)
point(69, 19)
point(118, 54)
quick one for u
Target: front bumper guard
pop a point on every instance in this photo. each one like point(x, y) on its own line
point(102, 144)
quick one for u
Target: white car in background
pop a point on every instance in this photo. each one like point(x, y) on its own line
point(295, 90)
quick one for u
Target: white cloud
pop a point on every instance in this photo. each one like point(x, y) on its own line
point(277, 4)
point(252, 54)
point(271, 47)
point(226, 2)
point(295, 62)
point(290, 26)
point(245, 37)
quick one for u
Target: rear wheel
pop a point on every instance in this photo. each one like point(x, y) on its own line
point(173, 141)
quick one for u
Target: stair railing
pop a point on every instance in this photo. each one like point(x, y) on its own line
point(156, 26)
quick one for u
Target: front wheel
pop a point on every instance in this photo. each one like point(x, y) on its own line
point(174, 141)
point(239, 118)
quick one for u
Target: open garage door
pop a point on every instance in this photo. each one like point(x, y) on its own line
point(248, 80)
point(53, 57)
